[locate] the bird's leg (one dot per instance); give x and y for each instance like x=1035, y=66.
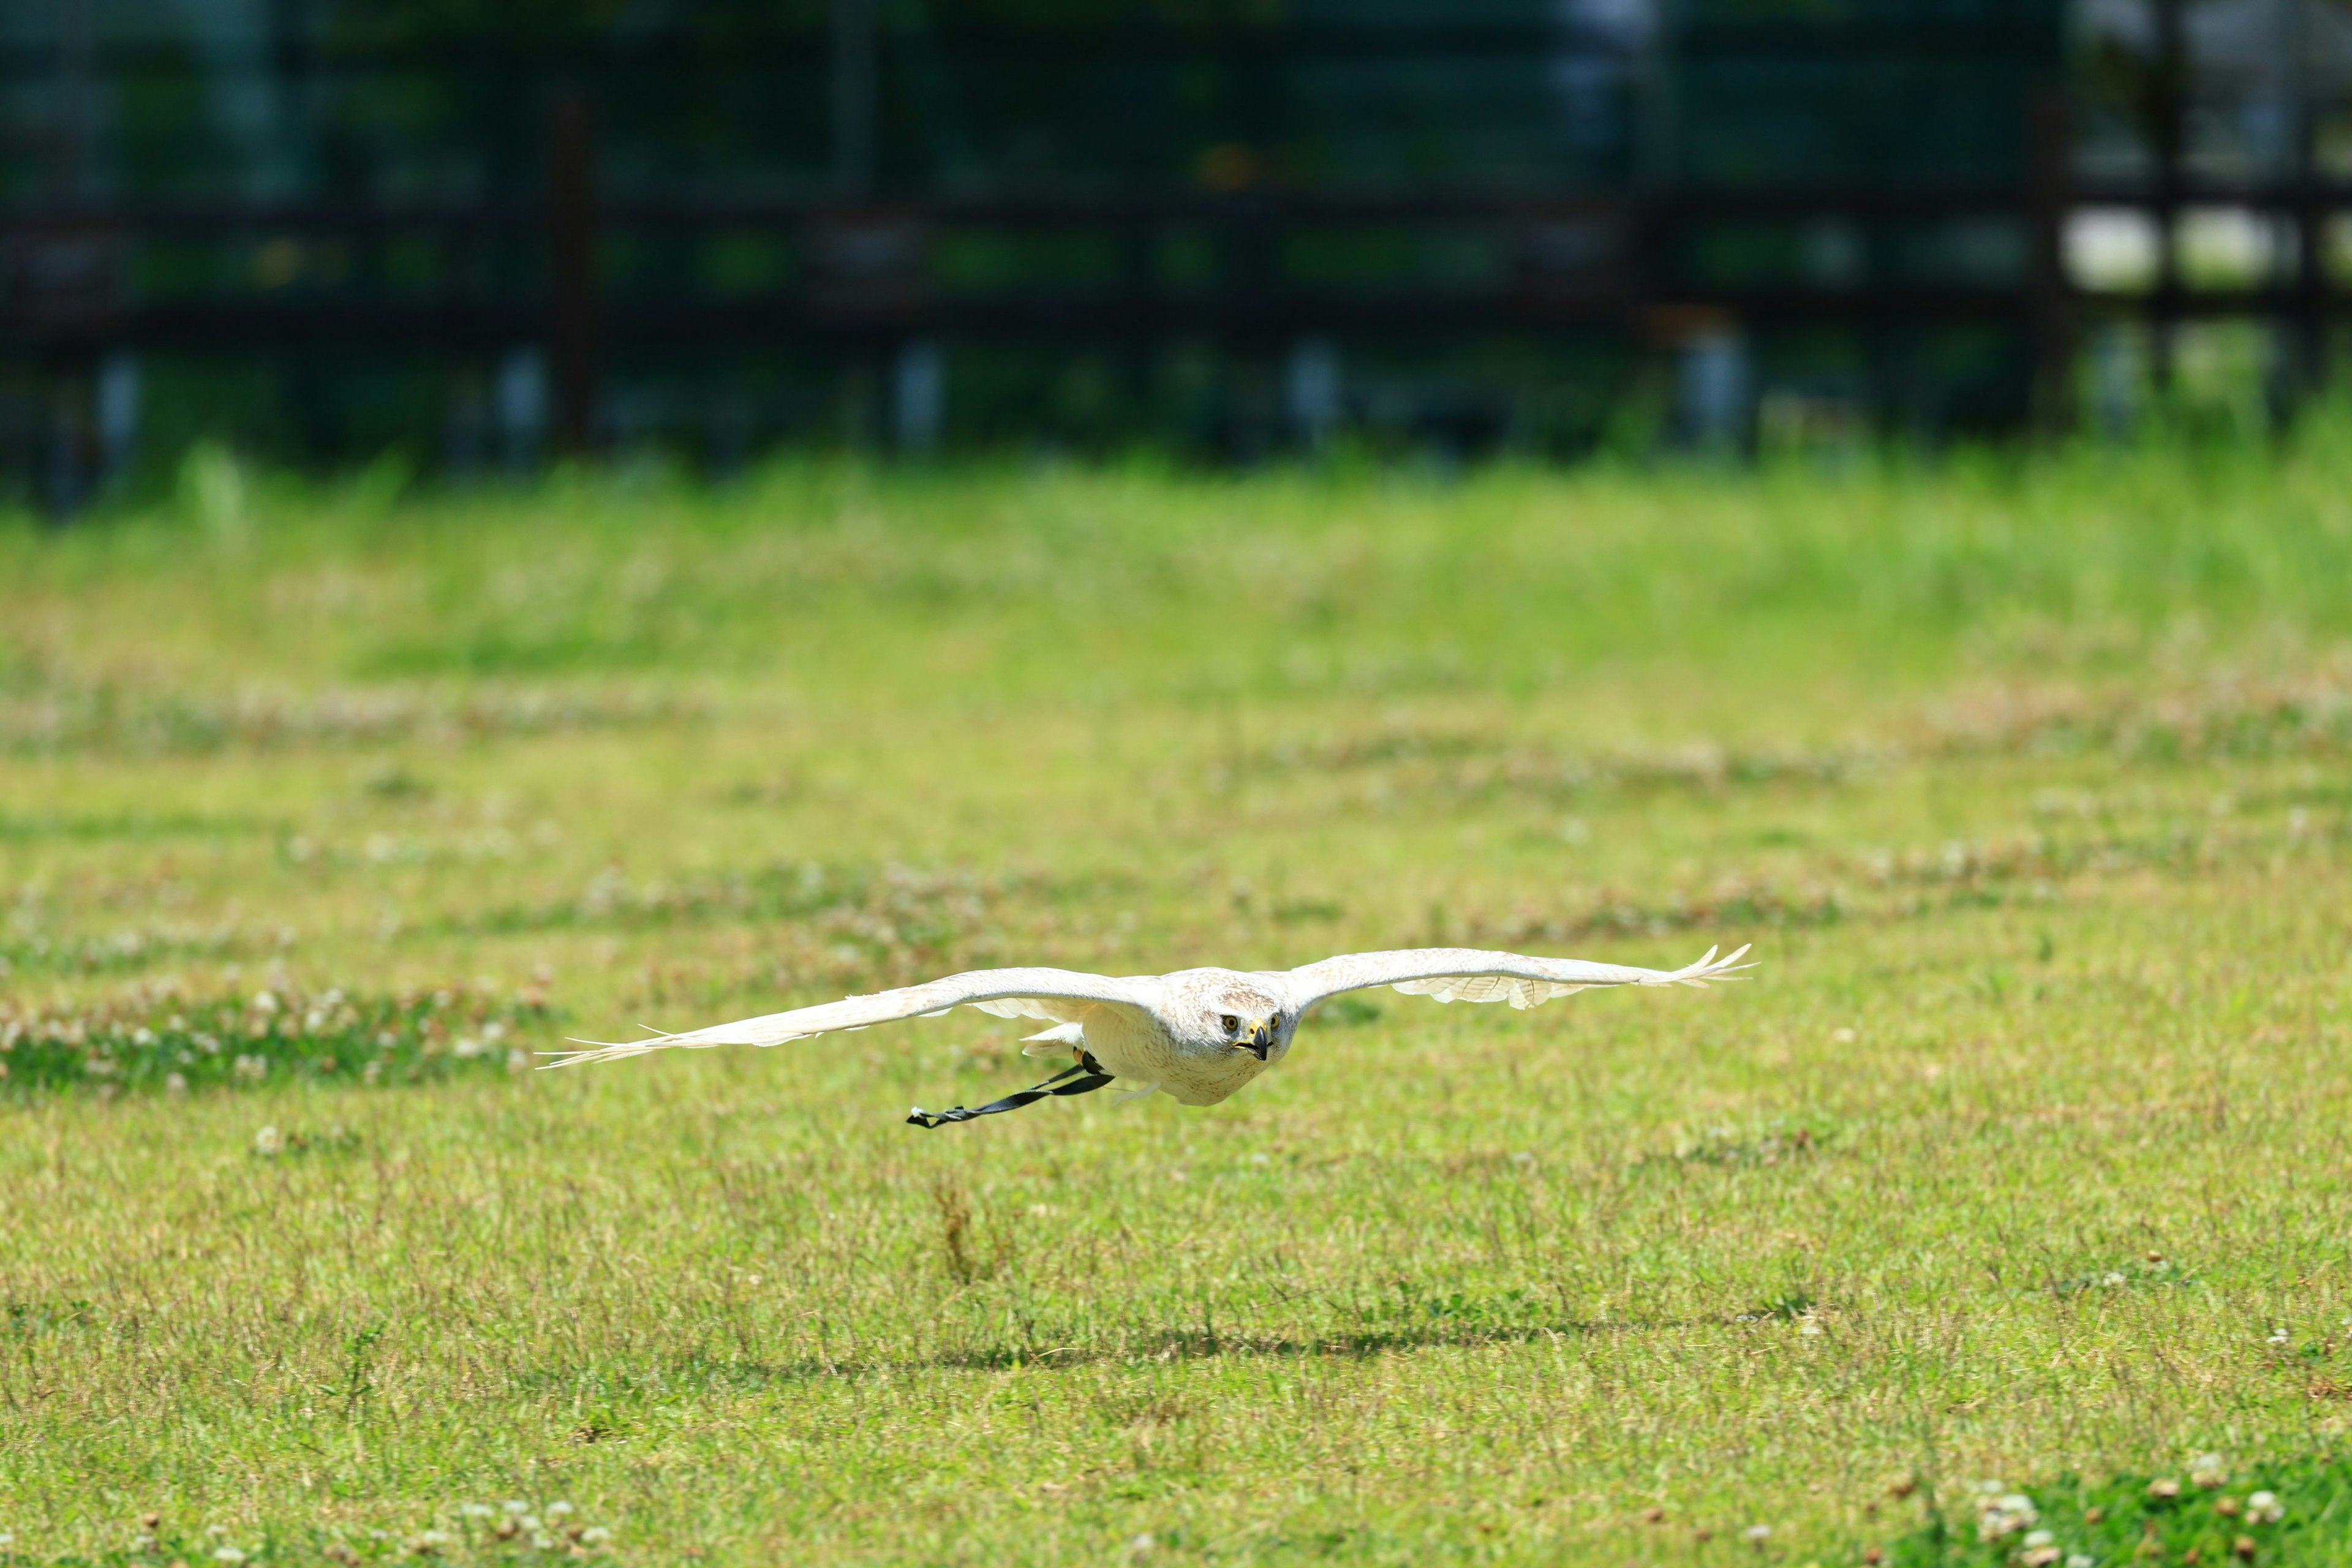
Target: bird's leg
x=1083, y=1078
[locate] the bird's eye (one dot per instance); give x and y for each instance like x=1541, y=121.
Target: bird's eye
x=1232, y=1025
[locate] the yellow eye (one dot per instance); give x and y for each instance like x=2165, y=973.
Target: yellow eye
x=1232, y=1025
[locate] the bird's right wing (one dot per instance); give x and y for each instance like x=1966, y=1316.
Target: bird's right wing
x=1471, y=975
x=1058, y=995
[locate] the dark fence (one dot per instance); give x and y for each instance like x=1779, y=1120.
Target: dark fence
x=883, y=223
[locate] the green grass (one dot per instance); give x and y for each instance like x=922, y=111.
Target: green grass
x=2022, y=1159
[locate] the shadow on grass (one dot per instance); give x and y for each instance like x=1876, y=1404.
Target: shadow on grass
x=694, y=1371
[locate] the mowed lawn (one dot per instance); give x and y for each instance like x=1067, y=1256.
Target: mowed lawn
x=2002, y=1217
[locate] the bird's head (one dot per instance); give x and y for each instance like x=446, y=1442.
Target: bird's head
x=1228, y=1013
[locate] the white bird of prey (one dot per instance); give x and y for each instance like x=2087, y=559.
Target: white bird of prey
x=1197, y=1034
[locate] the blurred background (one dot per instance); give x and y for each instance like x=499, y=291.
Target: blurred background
x=486, y=236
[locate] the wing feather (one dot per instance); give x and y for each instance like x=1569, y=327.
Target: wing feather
x=1472, y=975
x=1056, y=995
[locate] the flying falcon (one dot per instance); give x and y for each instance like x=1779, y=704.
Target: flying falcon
x=1197, y=1034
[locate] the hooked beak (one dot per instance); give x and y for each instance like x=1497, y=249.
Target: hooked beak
x=1257, y=1040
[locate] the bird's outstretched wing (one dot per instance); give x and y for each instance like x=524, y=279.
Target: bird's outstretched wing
x=1468, y=974
x=1059, y=996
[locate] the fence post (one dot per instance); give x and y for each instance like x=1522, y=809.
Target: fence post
x=2311, y=302
x=857, y=96
x=2168, y=114
x=2049, y=308
x=571, y=246
x=2311, y=212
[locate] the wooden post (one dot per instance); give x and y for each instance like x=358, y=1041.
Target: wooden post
x=69, y=455
x=2048, y=308
x=571, y=249
x=2168, y=116
x=2311, y=301
x=1138, y=290
x=857, y=106
x=69, y=365
x=856, y=97
x=2309, y=370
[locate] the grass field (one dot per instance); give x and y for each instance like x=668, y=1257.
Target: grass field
x=2021, y=1163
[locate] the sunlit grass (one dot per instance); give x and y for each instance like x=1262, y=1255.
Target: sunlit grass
x=2022, y=1159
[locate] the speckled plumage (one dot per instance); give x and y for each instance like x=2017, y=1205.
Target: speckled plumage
x=1196, y=1034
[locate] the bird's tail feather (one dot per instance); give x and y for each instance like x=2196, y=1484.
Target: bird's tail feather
x=613, y=1051
x=1709, y=967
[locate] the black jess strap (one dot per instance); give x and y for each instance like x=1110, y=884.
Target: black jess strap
x=1084, y=1077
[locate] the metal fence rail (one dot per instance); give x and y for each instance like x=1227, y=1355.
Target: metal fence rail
x=866, y=270
x=845, y=186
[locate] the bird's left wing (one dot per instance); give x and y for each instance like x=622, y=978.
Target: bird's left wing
x=1470, y=974
x=1059, y=996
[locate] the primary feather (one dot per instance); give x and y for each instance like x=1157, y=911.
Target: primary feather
x=1058, y=995
x=1197, y=1034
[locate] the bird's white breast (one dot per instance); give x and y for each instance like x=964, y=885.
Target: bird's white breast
x=1140, y=1050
